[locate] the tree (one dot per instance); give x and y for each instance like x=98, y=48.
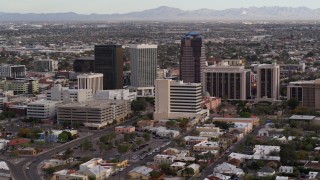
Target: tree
x=122, y=148
x=188, y=171
x=170, y=123
x=65, y=136
x=293, y=103
x=146, y=136
x=245, y=114
x=2, y=117
x=138, y=105
x=86, y=145
x=287, y=154
x=67, y=154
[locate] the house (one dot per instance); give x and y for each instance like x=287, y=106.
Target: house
x=228, y=138
x=185, y=173
x=314, y=175
x=245, y=128
x=243, y=157
x=286, y=169
x=5, y=173
x=124, y=129
x=176, y=166
x=168, y=133
x=141, y=172
x=53, y=163
x=235, y=162
x=217, y=176
x=192, y=140
x=206, y=146
x=160, y=159
x=144, y=123
x=170, y=151
x=314, y=165
x=68, y=174
x=98, y=172
x=265, y=150
x=229, y=169
x=184, y=156
x=282, y=178
x=266, y=171
x=28, y=151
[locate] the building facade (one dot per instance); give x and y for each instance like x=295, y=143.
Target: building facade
x=41, y=109
x=268, y=82
x=45, y=65
x=93, y=81
x=116, y=94
x=192, y=58
x=59, y=93
x=96, y=114
x=143, y=65
x=306, y=92
x=230, y=82
x=174, y=99
x=84, y=65
x=12, y=71
x=109, y=62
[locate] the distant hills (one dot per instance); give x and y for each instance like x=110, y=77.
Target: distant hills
x=165, y=13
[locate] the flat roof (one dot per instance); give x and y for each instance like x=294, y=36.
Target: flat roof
x=302, y=117
x=93, y=103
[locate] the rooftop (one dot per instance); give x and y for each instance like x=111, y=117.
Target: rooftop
x=142, y=170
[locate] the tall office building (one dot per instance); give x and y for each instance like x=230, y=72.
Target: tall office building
x=92, y=81
x=12, y=71
x=109, y=62
x=45, y=65
x=306, y=92
x=175, y=99
x=143, y=65
x=192, y=60
x=268, y=81
x=84, y=65
x=231, y=82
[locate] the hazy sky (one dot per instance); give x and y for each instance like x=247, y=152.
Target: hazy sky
x=122, y=6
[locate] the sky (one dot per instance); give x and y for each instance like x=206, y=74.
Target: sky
x=123, y=6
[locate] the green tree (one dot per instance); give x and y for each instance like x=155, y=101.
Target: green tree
x=86, y=145
x=139, y=105
x=245, y=114
x=287, y=154
x=146, y=136
x=188, y=171
x=67, y=154
x=123, y=148
x=65, y=136
x=293, y=103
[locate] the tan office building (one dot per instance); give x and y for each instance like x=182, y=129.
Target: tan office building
x=96, y=114
x=92, y=81
x=306, y=92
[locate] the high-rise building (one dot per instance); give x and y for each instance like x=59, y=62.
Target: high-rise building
x=192, y=60
x=268, y=81
x=92, y=81
x=12, y=71
x=175, y=99
x=45, y=65
x=306, y=92
x=143, y=65
x=84, y=65
x=230, y=82
x=109, y=62
x=59, y=93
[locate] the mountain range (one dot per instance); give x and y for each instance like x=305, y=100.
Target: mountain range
x=165, y=13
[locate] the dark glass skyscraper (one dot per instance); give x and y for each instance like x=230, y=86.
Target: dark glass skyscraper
x=84, y=65
x=109, y=62
x=192, y=60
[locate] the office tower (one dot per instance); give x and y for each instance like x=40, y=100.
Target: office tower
x=306, y=92
x=175, y=99
x=12, y=71
x=45, y=65
x=84, y=65
x=109, y=62
x=92, y=81
x=230, y=82
x=143, y=65
x=268, y=81
x=192, y=60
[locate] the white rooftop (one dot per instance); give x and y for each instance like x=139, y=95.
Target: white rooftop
x=142, y=170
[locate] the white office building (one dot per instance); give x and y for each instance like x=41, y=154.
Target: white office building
x=93, y=81
x=59, y=93
x=175, y=99
x=143, y=65
x=41, y=109
x=117, y=94
x=12, y=71
x=45, y=65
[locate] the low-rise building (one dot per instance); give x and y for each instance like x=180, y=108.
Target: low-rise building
x=59, y=93
x=41, y=109
x=168, y=133
x=141, y=172
x=5, y=173
x=194, y=167
x=253, y=121
x=286, y=169
x=160, y=159
x=176, y=166
x=96, y=114
x=117, y=94
x=28, y=151
x=124, y=129
x=206, y=146
x=69, y=174
x=192, y=140
x=229, y=169
x=266, y=171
